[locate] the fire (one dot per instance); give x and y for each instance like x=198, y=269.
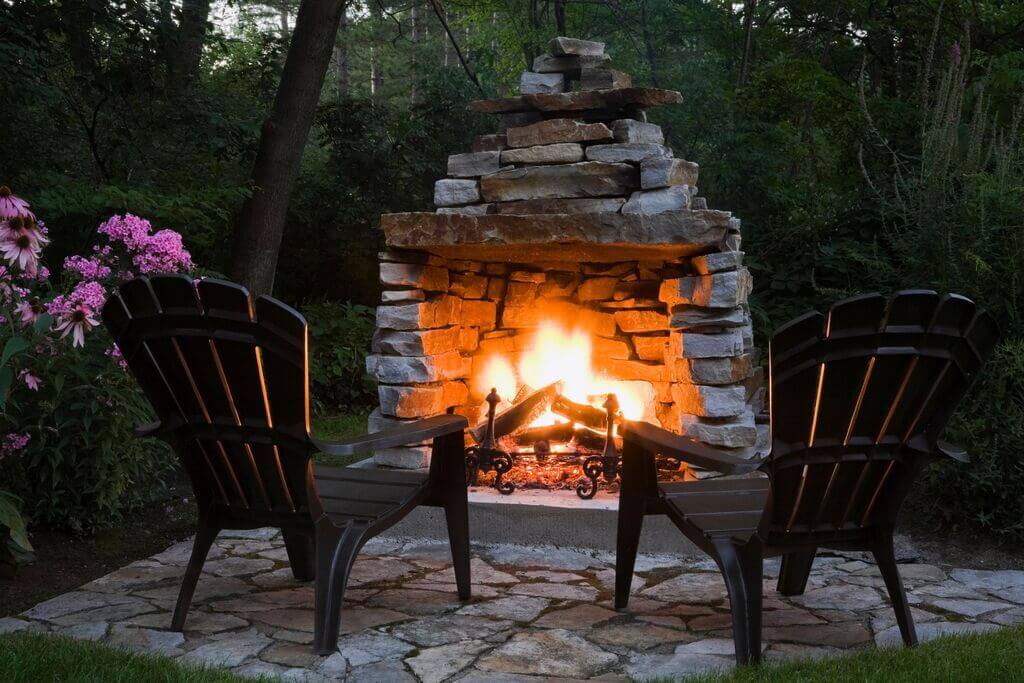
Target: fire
x=557, y=353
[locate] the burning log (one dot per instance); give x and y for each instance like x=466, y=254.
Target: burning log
x=519, y=415
x=555, y=432
x=577, y=412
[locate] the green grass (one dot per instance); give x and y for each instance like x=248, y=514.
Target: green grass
x=32, y=658
x=337, y=428
x=996, y=656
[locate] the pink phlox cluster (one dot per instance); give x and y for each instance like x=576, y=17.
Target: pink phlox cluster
x=13, y=443
x=163, y=252
x=75, y=313
x=87, y=268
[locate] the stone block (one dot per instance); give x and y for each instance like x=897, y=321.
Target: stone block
x=504, y=345
x=391, y=296
x=468, y=210
x=663, y=171
x=709, y=401
x=700, y=345
x=520, y=293
x=558, y=153
x=691, y=317
x=632, y=369
x=574, y=46
x=420, y=400
x=491, y=142
x=468, y=285
x=439, y=312
x=597, y=78
x=496, y=288
x=531, y=83
x=417, y=369
x=585, y=179
x=412, y=458
x=699, y=203
x=601, y=324
x=517, y=120
x=717, y=290
x=469, y=339
x=545, y=206
x=558, y=285
x=482, y=314
x=707, y=264
x=738, y=432
x=609, y=348
x=570, y=65
x=554, y=131
x=464, y=266
x=626, y=152
x=416, y=342
x=472, y=164
x=650, y=348
x=527, y=276
x=658, y=201
x=641, y=321
x=452, y=192
x=732, y=241
x=597, y=289
x=712, y=370
x=633, y=131
x=429, y=278
x=520, y=317
x=410, y=256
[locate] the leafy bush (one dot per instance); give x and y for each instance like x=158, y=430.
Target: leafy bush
x=340, y=335
x=67, y=407
x=14, y=545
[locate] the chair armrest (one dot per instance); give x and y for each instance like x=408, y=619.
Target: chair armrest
x=689, y=450
x=414, y=432
x=151, y=429
x=952, y=451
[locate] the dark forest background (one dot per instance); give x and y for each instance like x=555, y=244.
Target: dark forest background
x=865, y=144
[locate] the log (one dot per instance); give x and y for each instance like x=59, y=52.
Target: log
x=519, y=415
x=578, y=412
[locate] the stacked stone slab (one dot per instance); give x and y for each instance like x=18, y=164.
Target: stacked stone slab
x=636, y=258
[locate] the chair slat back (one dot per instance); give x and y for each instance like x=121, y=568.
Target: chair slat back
x=859, y=399
x=228, y=379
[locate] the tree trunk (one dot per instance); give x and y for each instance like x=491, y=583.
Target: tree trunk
x=560, y=17
x=416, y=35
x=341, y=57
x=376, y=72
x=748, y=39
x=261, y=224
x=188, y=42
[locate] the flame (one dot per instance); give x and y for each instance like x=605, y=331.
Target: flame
x=557, y=353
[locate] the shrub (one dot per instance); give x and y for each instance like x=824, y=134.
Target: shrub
x=340, y=335
x=67, y=406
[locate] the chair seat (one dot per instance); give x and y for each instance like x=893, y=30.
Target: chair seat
x=719, y=507
x=366, y=493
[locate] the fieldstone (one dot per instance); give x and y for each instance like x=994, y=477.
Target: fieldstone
x=718, y=290
x=237, y=566
x=672, y=667
x=638, y=132
x=532, y=83
x=403, y=458
x=847, y=634
x=467, y=210
x=641, y=321
x=268, y=671
x=391, y=296
x=418, y=276
x=437, y=664
x=228, y=649
x=530, y=107
x=583, y=616
x=93, y=631
x=584, y=179
x=415, y=601
x=418, y=369
x=1008, y=618
x=989, y=580
x=133, y=577
x=473, y=164
x=633, y=370
x=574, y=46
x=571, y=65
x=560, y=206
x=370, y=646
x=702, y=588
x=416, y=342
x=146, y=640
x=650, y=348
x=713, y=370
x=482, y=314
x=520, y=609
x=595, y=78
x=658, y=201
x=520, y=293
x=710, y=401
x=287, y=618
x=662, y=171
x=554, y=652
x=449, y=628
x=965, y=607
x=490, y=142
x=890, y=637
x=840, y=597
x=556, y=591
x=597, y=289
x=196, y=622
x=380, y=672
x=692, y=317
x=700, y=345
x=629, y=152
x=481, y=573
x=553, y=131
x=439, y=312
x=14, y=625
x=559, y=153
x=732, y=434
x=75, y=601
x=710, y=646
x=642, y=636
x=717, y=262
x=449, y=192
x=111, y=613
x=468, y=285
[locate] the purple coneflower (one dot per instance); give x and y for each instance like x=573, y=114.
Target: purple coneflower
x=11, y=205
x=28, y=310
x=30, y=380
x=79, y=321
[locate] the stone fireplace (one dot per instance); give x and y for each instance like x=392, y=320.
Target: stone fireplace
x=570, y=247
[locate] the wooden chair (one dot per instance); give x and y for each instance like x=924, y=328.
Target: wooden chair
x=228, y=378
x=859, y=399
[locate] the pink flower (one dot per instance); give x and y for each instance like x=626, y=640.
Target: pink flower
x=21, y=240
x=162, y=253
x=11, y=206
x=115, y=353
x=87, y=268
x=12, y=443
x=79, y=321
x=75, y=313
x=28, y=310
x=30, y=380
x=128, y=229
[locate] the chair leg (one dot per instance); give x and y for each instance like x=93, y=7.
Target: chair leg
x=336, y=550
x=631, y=521
x=301, y=554
x=885, y=557
x=742, y=570
x=795, y=570
x=456, y=513
x=200, y=549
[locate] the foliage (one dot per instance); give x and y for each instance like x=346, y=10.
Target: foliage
x=67, y=407
x=339, y=339
x=15, y=547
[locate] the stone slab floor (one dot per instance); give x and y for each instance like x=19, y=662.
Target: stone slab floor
x=536, y=612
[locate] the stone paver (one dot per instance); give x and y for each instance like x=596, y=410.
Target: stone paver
x=536, y=613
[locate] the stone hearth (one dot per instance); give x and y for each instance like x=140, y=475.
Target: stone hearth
x=575, y=210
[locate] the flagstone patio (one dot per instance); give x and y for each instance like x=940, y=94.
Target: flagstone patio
x=536, y=612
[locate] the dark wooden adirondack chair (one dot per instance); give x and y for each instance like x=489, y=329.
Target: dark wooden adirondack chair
x=859, y=399
x=228, y=378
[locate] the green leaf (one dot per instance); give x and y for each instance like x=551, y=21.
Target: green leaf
x=13, y=346
x=10, y=517
x=6, y=377
x=42, y=323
